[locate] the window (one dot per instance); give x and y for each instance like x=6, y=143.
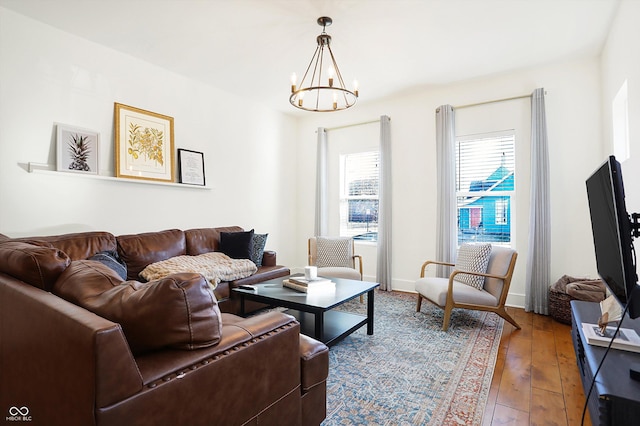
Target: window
x=359, y=195
x=485, y=187
x=620, y=114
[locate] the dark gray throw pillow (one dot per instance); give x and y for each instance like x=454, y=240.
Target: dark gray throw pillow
x=237, y=245
x=113, y=261
x=259, y=241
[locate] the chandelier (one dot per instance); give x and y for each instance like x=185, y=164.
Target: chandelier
x=321, y=95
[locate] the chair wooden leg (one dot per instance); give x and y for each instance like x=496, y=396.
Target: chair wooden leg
x=447, y=317
x=419, y=305
x=503, y=313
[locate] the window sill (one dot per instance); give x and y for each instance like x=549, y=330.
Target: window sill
x=365, y=243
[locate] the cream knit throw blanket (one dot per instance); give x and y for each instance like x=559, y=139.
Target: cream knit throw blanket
x=214, y=266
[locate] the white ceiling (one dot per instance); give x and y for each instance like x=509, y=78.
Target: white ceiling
x=251, y=47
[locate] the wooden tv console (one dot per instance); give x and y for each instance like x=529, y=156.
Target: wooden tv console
x=615, y=398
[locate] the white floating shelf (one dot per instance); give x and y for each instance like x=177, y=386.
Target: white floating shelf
x=51, y=170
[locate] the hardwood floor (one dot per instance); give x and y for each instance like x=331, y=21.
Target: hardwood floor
x=536, y=379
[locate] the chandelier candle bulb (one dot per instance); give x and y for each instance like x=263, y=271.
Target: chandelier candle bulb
x=293, y=82
x=331, y=72
x=355, y=87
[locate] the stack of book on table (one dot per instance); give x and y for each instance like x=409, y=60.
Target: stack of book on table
x=626, y=340
x=306, y=286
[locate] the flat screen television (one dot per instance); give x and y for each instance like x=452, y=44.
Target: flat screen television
x=613, y=232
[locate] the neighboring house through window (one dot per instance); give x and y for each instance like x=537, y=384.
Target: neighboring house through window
x=485, y=187
x=359, y=185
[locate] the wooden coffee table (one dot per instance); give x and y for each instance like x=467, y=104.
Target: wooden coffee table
x=315, y=311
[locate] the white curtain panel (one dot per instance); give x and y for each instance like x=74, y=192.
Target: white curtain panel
x=321, y=224
x=538, y=269
x=383, y=269
x=446, y=222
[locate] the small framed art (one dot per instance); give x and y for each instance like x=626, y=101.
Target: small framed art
x=191, y=167
x=77, y=149
x=144, y=144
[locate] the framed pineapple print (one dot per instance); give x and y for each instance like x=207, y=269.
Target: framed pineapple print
x=144, y=144
x=77, y=149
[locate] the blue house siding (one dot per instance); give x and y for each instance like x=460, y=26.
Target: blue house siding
x=477, y=215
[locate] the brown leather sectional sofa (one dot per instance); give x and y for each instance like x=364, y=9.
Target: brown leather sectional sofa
x=80, y=346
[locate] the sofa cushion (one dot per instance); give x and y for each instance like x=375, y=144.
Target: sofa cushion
x=112, y=260
x=34, y=264
x=237, y=245
x=82, y=245
x=178, y=311
x=85, y=277
x=257, y=251
x=204, y=240
x=473, y=258
x=214, y=266
x=140, y=250
x=436, y=289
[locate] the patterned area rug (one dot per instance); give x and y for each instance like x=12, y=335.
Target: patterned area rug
x=410, y=372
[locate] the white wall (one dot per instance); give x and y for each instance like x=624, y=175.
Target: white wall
x=620, y=62
x=48, y=76
x=573, y=118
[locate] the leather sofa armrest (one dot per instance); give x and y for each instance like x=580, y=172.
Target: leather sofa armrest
x=269, y=258
x=314, y=362
x=37, y=265
x=314, y=369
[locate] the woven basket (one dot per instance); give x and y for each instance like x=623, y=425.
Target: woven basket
x=560, y=306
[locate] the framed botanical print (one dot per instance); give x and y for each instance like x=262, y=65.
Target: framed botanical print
x=144, y=144
x=191, y=167
x=77, y=149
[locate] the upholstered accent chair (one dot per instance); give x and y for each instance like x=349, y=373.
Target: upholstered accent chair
x=335, y=258
x=452, y=292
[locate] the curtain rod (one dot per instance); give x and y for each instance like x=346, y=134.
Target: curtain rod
x=493, y=101
x=352, y=125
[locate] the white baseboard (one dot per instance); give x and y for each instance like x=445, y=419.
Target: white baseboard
x=515, y=300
